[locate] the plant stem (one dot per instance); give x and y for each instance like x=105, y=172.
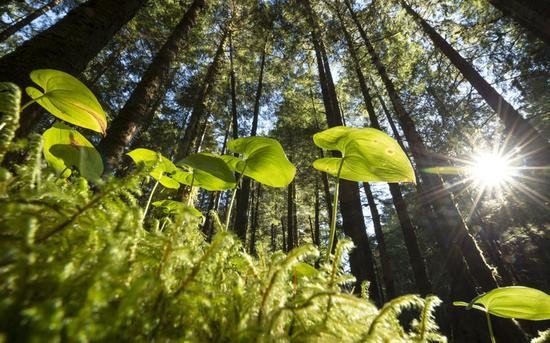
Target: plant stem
x=150, y=198
x=190, y=197
x=334, y=211
x=28, y=104
x=228, y=216
x=490, y=327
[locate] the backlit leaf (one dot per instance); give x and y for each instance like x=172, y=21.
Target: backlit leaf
x=368, y=155
x=68, y=99
x=207, y=171
x=264, y=160
x=515, y=302
x=175, y=207
x=65, y=148
x=163, y=167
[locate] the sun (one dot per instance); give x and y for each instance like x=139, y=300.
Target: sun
x=491, y=170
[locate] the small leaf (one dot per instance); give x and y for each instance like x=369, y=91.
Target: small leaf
x=175, y=207
x=516, y=302
x=68, y=99
x=367, y=155
x=305, y=269
x=163, y=167
x=65, y=148
x=210, y=172
x=264, y=160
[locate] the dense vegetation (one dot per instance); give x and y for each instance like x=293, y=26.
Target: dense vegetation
x=328, y=170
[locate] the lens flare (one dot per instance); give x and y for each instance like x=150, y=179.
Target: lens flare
x=491, y=170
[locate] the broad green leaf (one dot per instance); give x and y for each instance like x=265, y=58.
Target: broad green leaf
x=264, y=160
x=515, y=302
x=175, y=207
x=68, y=99
x=163, y=167
x=367, y=154
x=207, y=171
x=305, y=269
x=65, y=148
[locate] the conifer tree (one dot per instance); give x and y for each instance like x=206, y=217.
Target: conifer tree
x=137, y=109
x=68, y=46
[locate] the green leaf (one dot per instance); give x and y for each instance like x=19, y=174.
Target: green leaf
x=305, y=269
x=175, y=207
x=514, y=302
x=367, y=155
x=65, y=148
x=210, y=172
x=264, y=160
x=163, y=167
x=68, y=99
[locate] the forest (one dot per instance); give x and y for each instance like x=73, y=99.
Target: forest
x=274, y=171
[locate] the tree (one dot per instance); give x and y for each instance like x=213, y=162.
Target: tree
x=532, y=14
x=137, y=109
x=531, y=143
x=7, y=33
x=69, y=45
x=407, y=227
x=361, y=257
x=460, y=243
x=190, y=133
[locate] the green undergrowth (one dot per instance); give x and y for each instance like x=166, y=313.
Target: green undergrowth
x=77, y=264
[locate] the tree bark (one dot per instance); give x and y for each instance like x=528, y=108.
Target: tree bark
x=137, y=109
x=361, y=257
x=387, y=275
x=233, y=88
x=254, y=226
x=533, y=145
x=273, y=238
x=283, y=230
x=532, y=14
x=190, y=133
x=7, y=33
x=317, y=227
x=69, y=46
x=289, y=218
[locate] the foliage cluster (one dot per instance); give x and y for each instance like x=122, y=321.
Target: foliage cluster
x=79, y=264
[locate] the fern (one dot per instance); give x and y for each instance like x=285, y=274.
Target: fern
x=81, y=265
x=10, y=98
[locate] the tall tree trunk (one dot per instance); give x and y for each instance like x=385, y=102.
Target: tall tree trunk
x=295, y=217
x=361, y=257
x=411, y=242
x=273, y=238
x=317, y=227
x=69, y=46
x=137, y=109
x=533, y=145
x=190, y=133
x=387, y=275
x=100, y=69
x=532, y=14
x=460, y=243
x=289, y=218
x=7, y=33
x=444, y=200
x=233, y=88
x=254, y=225
x=202, y=134
x=243, y=193
x=283, y=230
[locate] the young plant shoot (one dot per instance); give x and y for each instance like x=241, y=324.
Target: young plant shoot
x=366, y=155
